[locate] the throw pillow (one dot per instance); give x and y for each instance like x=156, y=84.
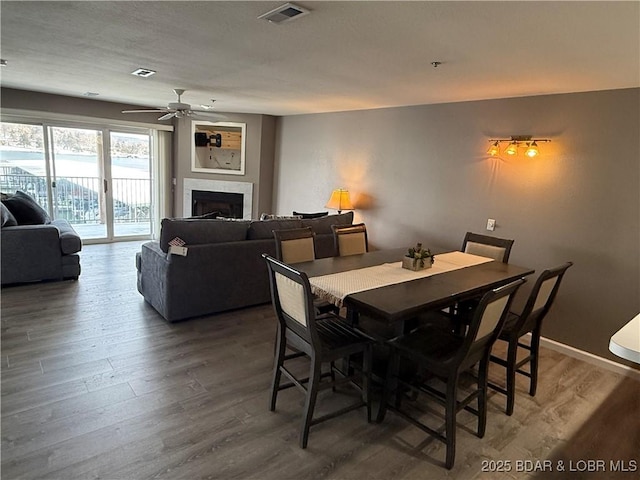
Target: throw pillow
x=8, y=220
x=271, y=216
x=26, y=210
x=260, y=230
x=311, y=215
x=323, y=224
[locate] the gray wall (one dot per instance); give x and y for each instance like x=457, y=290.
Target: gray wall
x=258, y=157
x=421, y=173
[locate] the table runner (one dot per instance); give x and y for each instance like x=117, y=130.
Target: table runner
x=336, y=286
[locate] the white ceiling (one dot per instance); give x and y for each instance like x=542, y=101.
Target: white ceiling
x=343, y=56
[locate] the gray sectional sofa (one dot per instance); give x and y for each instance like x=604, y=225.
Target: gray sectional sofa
x=34, y=248
x=223, y=268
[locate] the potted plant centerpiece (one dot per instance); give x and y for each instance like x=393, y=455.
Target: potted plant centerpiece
x=418, y=258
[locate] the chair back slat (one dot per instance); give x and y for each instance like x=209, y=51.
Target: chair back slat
x=487, y=322
x=491, y=247
x=298, y=250
x=295, y=245
x=541, y=298
x=292, y=299
x=350, y=239
x=489, y=251
x=544, y=293
x=491, y=316
x=352, y=244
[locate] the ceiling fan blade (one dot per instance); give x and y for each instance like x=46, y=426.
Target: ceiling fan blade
x=167, y=116
x=145, y=111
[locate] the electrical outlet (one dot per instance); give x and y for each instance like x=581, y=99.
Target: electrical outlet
x=491, y=224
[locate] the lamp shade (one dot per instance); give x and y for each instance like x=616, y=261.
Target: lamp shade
x=339, y=200
x=532, y=151
x=512, y=149
x=494, y=149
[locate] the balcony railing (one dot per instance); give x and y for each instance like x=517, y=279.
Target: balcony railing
x=78, y=199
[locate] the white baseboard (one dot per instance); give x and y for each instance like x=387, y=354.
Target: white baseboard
x=589, y=358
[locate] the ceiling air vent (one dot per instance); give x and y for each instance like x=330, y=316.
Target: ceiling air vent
x=284, y=13
x=143, y=72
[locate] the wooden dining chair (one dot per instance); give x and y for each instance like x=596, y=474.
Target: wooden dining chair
x=322, y=339
x=350, y=239
x=486, y=246
x=496, y=248
x=538, y=304
x=297, y=245
x=442, y=354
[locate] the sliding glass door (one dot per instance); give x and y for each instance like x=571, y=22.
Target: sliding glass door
x=131, y=183
x=78, y=178
x=98, y=179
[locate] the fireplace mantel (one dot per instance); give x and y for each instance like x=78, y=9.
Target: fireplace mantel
x=245, y=188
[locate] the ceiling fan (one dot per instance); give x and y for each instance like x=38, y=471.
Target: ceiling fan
x=179, y=110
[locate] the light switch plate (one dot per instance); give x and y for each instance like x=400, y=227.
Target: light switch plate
x=491, y=224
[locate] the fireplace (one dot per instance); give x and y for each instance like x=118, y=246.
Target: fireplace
x=227, y=204
x=213, y=202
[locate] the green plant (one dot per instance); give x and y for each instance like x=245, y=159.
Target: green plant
x=420, y=254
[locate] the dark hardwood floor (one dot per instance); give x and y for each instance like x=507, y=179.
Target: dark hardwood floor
x=95, y=384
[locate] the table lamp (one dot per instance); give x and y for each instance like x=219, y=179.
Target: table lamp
x=339, y=200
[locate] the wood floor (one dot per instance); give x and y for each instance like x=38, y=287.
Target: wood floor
x=95, y=384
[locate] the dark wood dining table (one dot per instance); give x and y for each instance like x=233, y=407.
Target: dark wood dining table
x=394, y=304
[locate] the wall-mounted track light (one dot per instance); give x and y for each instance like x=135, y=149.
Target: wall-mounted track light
x=516, y=142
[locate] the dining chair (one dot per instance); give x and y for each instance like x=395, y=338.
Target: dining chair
x=496, y=248
x=486, y=246
x=350, y=239
x=322, y=339
x=538, y=304
x=297, y=245
x=442, y=354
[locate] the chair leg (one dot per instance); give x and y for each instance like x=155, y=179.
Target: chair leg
x=512, y=358
x=483, y=372
x=332, y=370
x=450, y=420
x=310, y=403
x=366, y=379
x=533, y=366
x=278, y=361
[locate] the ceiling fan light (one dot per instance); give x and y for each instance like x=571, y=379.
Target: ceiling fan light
x=532, y=151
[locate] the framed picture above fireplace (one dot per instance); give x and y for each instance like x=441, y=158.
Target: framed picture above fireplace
x=218, y=147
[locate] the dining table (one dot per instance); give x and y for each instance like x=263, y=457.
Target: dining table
x=454, y=277
x=375, y=285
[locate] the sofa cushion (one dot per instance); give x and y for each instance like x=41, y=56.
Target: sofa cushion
x=261, y=229
x=199, y=232
x=323, y=224
x=26, y=210
x=7, y=218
